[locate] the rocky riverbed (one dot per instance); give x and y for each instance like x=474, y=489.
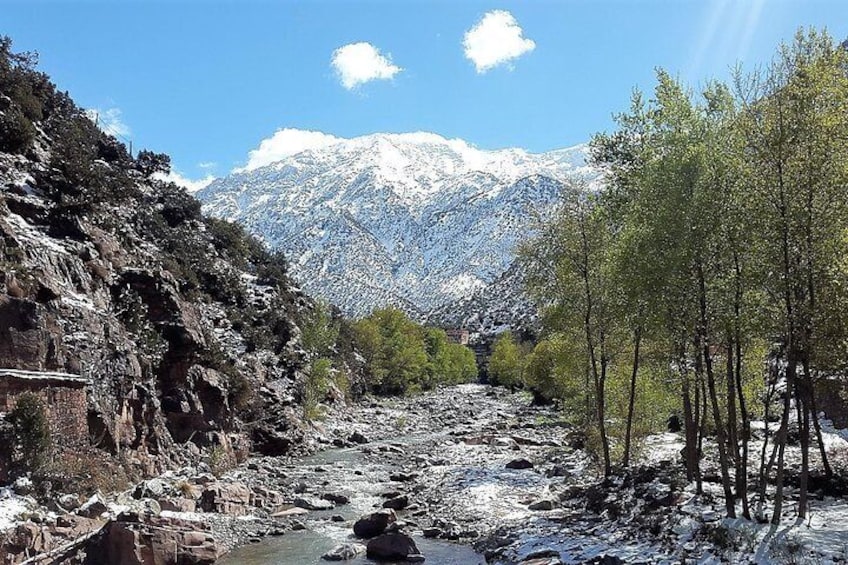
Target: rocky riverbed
x=476, y=474
x=461, y=475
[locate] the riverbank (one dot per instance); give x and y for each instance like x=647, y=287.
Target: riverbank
x=471, y=473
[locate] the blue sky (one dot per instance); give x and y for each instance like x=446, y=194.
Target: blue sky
x=208, y=81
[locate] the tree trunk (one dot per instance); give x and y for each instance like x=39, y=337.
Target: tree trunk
x=736, y=382
x=602, y=425
x=691, y=430
x=762, y=476
x=742, y=467
x=721, y=438
x=732, y=426
x=637, y=339
x=781, y=439
x=810, y=400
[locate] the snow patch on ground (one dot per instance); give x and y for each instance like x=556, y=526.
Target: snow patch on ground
x=13, y=507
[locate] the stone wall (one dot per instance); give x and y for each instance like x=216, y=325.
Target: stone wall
x=65, y=402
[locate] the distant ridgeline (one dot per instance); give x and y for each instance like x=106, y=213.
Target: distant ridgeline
x=415, y=221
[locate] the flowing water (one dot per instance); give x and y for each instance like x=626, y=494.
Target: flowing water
x=348, y=471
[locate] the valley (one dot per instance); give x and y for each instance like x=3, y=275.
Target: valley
x=403, y=347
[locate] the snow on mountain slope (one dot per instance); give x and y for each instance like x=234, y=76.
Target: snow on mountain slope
x=414, y=220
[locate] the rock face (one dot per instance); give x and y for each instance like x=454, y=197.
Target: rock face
x=184, y=326
x=135, y=540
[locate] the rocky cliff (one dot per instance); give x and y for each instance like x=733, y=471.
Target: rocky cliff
x=186, y=327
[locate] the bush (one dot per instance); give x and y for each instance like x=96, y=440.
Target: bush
x=30, y=431
x=552, y=371
x=16, y=131
x=318, y=379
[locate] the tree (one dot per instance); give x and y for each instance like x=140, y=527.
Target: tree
x=150, y=163
x=448, y=363
x=30, y=431
x=393, y=346
x=319, y=330
x=795, y=119
x=506, y=362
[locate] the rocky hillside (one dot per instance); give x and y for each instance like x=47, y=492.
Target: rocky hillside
x=412, y=220
x=186, y=327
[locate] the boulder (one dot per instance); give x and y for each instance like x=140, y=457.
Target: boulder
x=310, y=503
x=519, y=463
x=344, y=552
x=432, y=532
x=544, y=504
x=397, y=503
x=290, y=512
x=177, y=504
x=393, y=546
x=226, y=498
x=336, y=498
x=403, y=477
x=139, y=540
x=357, y=437
x=374, y=524
x=94, y=507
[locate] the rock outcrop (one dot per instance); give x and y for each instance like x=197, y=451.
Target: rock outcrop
x=138, y=540
x=185, y=327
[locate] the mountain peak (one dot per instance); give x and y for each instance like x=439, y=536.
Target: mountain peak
x=410, y=219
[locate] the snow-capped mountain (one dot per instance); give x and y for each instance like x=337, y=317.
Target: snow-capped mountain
x=414, y=220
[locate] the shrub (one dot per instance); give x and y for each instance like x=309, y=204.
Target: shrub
x=220, y=461
x=16, y=131
x=30, y=431
x=316, y=386
x=790, y=550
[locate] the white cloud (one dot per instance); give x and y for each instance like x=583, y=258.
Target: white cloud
x=190, y=185
x=358, y=63
x=207, y=165
x=494, y=40
x=283, y=143
x=109, y=121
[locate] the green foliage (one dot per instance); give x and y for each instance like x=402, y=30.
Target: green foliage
x=30, y=431
x=150, y=163
x=554, y=371
x=23, y=93
x=393, y=346
x=449, y=363
x=506, y=363
x=317, y=385
x=319, y=330
x=16, y=131
x=717, y=242
x=233, y=242
x=401, y=356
